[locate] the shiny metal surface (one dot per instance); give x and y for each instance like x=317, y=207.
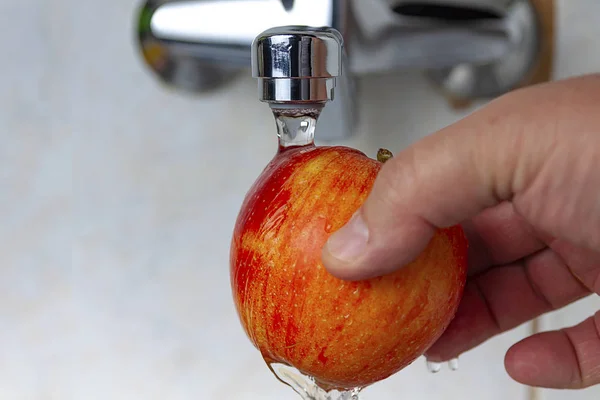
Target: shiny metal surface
x=297, y=64
x=503, y=74
x=297, y=52
x=200, y=45
x=470, y=48
x=182, y=38
x=235, y=21
x=434, y=34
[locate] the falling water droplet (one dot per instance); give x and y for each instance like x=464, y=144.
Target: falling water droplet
x=453, y=364
x=434, y=367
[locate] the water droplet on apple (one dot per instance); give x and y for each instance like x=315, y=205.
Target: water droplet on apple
x=453, y=364
x=434, y=367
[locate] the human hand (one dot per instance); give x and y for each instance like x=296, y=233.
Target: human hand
x=522, y=176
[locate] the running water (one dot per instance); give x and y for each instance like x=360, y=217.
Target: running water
x=434, y=367
x=453, y=364
x=296, y=124
x=307, y=387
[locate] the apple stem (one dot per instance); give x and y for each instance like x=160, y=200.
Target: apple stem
x=383, y=155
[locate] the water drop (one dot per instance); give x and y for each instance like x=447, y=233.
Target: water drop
x=453, y=364
x=434, y=367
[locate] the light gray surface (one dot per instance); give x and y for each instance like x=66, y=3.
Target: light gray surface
x=118, y=200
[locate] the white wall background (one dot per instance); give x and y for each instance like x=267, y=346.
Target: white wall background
x=117, y=200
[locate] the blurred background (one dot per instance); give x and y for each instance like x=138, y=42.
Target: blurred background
x=118, y=198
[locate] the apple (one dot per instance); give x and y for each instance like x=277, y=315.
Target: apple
x=343, y=334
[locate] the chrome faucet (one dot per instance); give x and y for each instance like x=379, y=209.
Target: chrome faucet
x=471, y=49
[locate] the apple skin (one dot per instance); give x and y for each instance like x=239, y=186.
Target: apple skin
x=344, y=334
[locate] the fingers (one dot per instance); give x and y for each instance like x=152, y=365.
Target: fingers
x=508, y=150
x=499, y=236
x=584, y=263
x=504, y=297
x=566, y=359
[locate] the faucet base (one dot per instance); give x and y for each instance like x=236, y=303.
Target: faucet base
x=530, y=62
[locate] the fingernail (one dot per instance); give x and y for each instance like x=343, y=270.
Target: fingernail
x=350, y=241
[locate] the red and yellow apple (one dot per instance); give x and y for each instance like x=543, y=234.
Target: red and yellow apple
x=344, y=334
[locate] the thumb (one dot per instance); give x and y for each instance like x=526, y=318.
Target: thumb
x=452, y=175
x=435, y=183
